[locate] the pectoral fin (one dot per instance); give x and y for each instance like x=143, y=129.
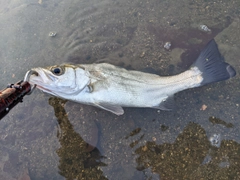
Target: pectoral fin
x=167, y=104
x=118, y=110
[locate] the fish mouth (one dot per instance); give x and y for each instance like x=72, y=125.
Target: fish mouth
x=46, y=81
x=27, y=78
x=42, y=79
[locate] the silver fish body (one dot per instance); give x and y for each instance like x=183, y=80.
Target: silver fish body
x=110, y=87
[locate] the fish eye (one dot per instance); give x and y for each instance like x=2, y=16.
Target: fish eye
x=57, y=71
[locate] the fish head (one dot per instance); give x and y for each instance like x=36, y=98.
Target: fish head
x=59, y=80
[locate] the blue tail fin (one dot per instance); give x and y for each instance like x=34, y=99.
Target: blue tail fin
x=212, y=65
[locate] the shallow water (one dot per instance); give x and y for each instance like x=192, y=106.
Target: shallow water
x=48, y=138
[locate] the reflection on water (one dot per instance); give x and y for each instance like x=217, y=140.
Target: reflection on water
x=191, y=157
x=78, y=160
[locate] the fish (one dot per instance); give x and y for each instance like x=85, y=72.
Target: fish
x=111, y=88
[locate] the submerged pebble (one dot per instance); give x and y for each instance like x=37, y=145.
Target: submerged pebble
x=204, y=28
x=167, y=45
x=215, y=140
x=52, y=34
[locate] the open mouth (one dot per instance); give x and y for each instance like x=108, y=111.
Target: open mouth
x=33, y=76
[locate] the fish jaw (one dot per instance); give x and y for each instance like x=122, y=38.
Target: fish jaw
x=41, y=78
x=59, y=86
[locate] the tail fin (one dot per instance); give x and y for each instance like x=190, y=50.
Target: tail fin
x=212, y=65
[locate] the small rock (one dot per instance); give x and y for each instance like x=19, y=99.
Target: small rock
x=167, y=45
x=203, y=108
x=143, y=54
x=215, y=140
x=204, y=28
x=52, y=34
x=144, y=148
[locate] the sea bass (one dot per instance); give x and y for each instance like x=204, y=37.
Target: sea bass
x=110, y=87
